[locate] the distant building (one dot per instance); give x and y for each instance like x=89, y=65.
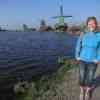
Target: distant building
x=0, y=29
x=43, y=25
x=49, y=29
x=25, y=27
x=32, y=29
x=74, y=30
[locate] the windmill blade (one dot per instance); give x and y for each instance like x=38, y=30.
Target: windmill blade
x=62, y=16
x=68, y=16
x=56, y=17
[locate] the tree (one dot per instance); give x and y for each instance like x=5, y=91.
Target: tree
x=49, y=28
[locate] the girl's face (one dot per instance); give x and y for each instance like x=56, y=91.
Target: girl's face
x=92, y=25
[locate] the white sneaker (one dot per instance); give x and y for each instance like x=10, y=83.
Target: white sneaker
x=81, y=96
x=87, y=96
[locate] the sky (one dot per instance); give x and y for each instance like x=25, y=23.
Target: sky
x=14, y=13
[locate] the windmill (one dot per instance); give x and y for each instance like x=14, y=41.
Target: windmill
x=61, y=17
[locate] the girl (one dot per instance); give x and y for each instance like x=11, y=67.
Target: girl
x=86, y=54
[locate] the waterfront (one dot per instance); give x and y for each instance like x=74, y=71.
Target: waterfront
x=21, y=51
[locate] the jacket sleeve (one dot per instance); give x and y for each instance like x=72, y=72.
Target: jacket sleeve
x=98, y=52
x=78, y=47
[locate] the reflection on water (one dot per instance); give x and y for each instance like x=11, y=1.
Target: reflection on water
x=33, y=52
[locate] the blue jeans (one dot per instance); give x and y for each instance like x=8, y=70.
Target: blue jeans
x=86, y=73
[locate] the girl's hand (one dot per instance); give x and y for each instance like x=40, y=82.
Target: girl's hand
x=78, y=58
x=95, y=61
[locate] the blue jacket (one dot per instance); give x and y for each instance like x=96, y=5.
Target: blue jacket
x=98, y=49
x=87, y=47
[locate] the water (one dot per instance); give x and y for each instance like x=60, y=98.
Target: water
x=24, y=54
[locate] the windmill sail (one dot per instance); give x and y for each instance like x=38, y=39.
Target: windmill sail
x=61, y=17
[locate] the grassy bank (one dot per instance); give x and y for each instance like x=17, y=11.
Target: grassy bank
x=48, y=87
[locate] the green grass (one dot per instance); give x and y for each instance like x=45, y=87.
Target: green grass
x=47, y=86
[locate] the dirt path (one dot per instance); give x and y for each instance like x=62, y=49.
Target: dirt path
x=96, y=94
x=72, y=85
x=69, y=88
